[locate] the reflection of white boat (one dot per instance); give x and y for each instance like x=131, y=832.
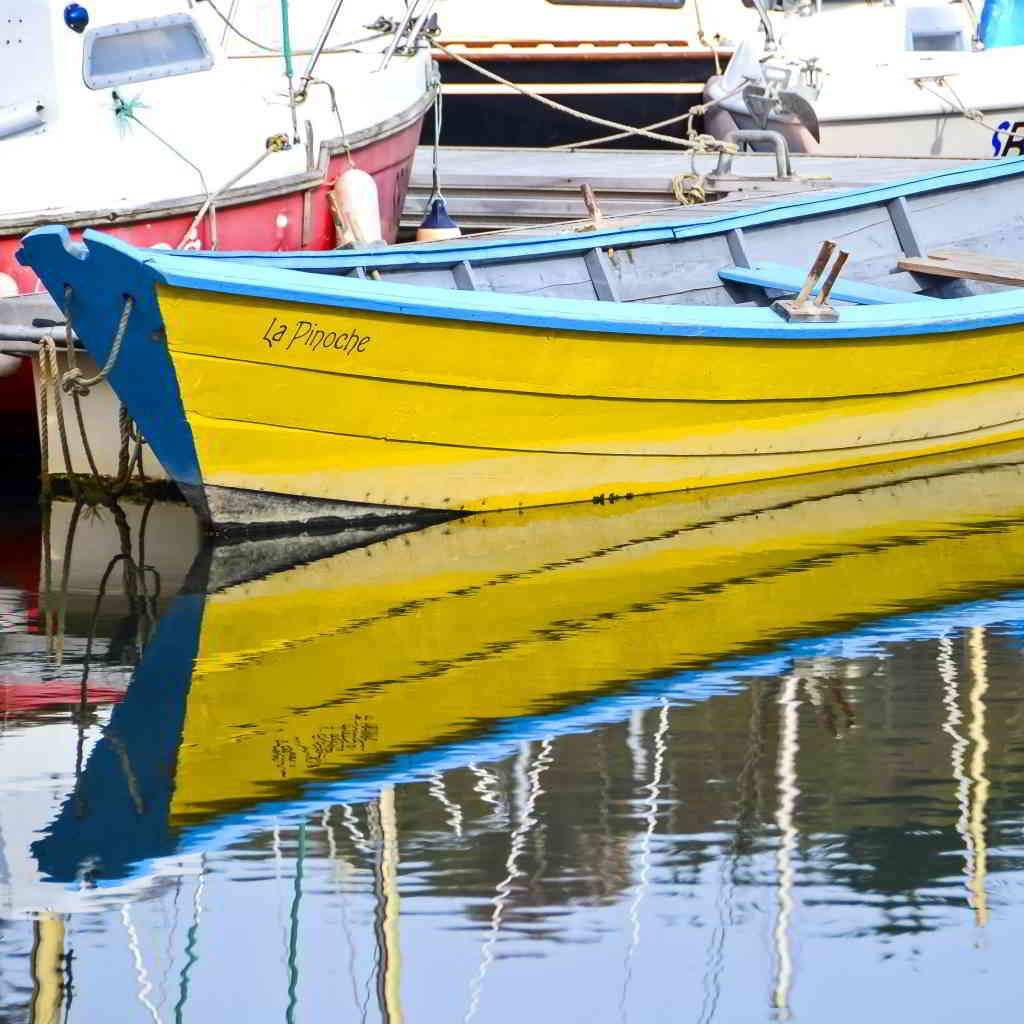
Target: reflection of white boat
x=54, y=616
x=73, y=655
x=908, y=77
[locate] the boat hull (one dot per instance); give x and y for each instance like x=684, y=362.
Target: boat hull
x=945, y=133
x=279, y=396
x=273, y=222
x=425, y=415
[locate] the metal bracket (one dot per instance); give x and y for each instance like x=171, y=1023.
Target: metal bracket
x=738, y=136
x=806, y=308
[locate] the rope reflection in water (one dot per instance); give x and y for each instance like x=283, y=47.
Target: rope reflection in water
x=979, y=687
x=651, y=817
x=504, y=888
x=789, y=701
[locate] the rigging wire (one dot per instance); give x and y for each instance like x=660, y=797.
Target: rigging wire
x=241, y=35
x=346, y=47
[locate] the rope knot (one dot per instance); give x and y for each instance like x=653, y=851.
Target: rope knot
x=72, y=381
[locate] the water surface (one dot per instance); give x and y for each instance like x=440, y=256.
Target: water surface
x=727, y=757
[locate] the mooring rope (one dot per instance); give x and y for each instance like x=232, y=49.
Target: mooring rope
x=703, y=143
x=698, y=110
x=53, y=385
x=73, y=382
x=970, y=113
x=49, y=384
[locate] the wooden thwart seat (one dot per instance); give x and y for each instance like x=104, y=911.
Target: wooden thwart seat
x=781, y=277
x=971, y=266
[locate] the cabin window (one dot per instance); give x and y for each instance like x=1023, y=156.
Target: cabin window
x=935, y=28
x=674, y=4
x=139, y=51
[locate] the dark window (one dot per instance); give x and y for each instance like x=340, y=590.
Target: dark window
x=139, y=51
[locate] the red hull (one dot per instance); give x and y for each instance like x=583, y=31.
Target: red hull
x=271, y=224
x=264, y=225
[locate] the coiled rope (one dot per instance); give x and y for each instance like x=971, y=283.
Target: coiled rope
x=689, y=188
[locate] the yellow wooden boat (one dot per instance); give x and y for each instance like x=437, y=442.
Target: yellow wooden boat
x=507, y=374
x=274, y=694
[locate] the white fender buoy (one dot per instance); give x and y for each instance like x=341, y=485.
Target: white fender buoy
x=437, y=224
x=355, y=193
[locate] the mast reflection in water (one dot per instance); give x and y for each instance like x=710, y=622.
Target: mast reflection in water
x=738, y=756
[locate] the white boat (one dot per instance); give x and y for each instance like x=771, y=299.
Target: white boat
x=635, y=61
x=902, y=78
x=220, y=124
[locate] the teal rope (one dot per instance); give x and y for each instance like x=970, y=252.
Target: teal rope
x=286, y=42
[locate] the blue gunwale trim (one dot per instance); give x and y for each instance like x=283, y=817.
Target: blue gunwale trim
x=496, y=250
x=590, y=315
x=100, y=276
x=277, y=277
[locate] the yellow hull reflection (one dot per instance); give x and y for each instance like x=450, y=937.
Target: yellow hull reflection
x=453, y=415
x=429, y=636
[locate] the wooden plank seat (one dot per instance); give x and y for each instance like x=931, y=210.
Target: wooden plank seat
x=971, y=266
x=784, y=278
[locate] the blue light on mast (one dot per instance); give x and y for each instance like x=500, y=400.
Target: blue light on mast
x=76, y=17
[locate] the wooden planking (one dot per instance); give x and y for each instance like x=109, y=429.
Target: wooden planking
x=500, y=187
x=983, y=217
x=653, y=273
x=867, y=233
x=968, y=215
x=962, y=263
x=557, y=276
x=429, y=277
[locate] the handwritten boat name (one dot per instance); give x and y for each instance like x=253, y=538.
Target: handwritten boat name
x=309, y=334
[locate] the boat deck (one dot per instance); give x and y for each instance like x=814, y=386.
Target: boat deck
x=496, y=189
